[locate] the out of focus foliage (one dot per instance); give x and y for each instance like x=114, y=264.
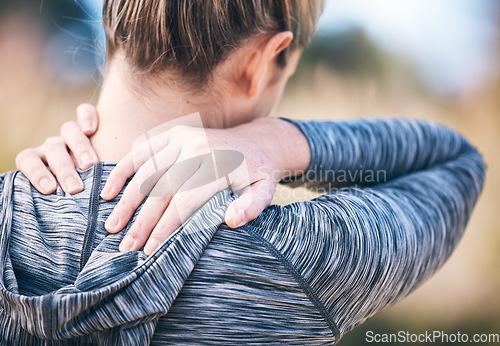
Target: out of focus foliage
x=58, y=12
x=348, y=52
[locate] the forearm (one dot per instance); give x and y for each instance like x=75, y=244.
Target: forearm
x=370, y=151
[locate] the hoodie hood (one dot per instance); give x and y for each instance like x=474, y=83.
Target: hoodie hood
x=108, y=297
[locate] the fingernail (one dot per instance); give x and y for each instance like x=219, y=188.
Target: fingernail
x=46, y=185
x=87, y=160
x=112, y=222
x=87, y=126
x=151, y=246
x=127, y=243
x=239, y=219
x=105, y=192
x=72, y=184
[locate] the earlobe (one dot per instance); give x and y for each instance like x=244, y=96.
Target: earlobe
x=263, y=57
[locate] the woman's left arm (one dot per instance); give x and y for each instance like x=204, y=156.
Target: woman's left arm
x=355, y=251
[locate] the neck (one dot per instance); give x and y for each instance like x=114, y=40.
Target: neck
x=124, y=114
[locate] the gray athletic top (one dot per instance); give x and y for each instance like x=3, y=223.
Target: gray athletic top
x=305, y=273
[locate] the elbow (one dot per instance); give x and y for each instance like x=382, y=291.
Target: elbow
x=474, y=167
x=478, y=166
x=481, y=174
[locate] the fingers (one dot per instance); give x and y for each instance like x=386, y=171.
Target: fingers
x=78, y=144
x=123, y=211
x=252, y=201
x=148, y=218
x=148, y=176
x=58, y=159
x=117, y=178
x=157, y=202
x=161, y=216
x=61, y=164
x=169, y=222
x=87, y=118
x=155, y=152
x=181, y=207
x=31, y=164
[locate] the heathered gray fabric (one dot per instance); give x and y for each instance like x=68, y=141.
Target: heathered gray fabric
x=305, y=273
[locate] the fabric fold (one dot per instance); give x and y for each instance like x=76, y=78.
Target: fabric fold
x=117, y=297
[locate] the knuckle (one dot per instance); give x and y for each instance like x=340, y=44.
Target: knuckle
x=140, y=153
x=182, y=199
x=67, y=127
x=23, y=155
x=79, y=146
x=140, y=231
x=52, y=142
x=159, y=234
x=162, y=199
x=145, y=171
x=178, y=128
x=181, y=133
x=198, y=144
x=63, y=171
x=124, y=207
x=136, y=231
x=138, y=227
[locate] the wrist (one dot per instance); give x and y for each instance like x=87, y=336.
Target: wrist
x=286, y=145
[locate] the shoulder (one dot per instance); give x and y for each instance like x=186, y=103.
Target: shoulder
x=2, y=178
x=15, y=182
x=6, y=191
x=254, y=280
x=7, y=181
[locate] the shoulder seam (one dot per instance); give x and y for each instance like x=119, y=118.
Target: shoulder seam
x=300, y=280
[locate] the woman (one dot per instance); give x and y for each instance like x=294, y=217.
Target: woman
x=304, y=273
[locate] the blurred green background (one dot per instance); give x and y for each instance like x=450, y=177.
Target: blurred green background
x=432, y=59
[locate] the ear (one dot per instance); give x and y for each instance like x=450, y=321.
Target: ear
x=261, y=58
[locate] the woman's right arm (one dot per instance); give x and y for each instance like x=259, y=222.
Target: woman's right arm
x=358, y=250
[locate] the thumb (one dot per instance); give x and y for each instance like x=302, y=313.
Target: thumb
x=253, y=200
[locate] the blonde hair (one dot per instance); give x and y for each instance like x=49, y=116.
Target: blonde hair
x=194, y=36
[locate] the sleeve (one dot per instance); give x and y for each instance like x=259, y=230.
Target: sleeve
x=2, y=178
x=356, y=250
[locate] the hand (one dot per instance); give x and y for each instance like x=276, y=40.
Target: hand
x=176, y=170
x=61, y=155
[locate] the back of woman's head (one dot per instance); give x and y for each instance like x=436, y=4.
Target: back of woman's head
x=193, y=36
